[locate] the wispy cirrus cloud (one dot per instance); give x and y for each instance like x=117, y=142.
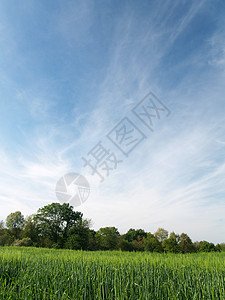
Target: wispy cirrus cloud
x=86, y=68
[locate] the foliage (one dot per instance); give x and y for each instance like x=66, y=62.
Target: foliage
x=25, y=242
x=172, y=243
x=78, y=236
x=124, y=245
x=222, y=246
x=15, y=222
x=186, y=245
x=30, y=230
x=161, y=234
x=107, y=238
x=59, y=226
x=54, y=221
x=135, y=235
x=209, y=247
x=152, y=244
x=2, y=225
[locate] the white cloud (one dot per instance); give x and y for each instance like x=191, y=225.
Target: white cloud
x=176, y=178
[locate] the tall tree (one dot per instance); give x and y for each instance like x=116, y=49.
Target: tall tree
x=15, y=222
x=171, y=244
x=2, y=225
x=124, y=245
x=161, y=234
x=107, y=238
x=186, y=245
x=5, y=237
x=222, y=246
x=54, y=221
x=79, y=235
x=207, y=247
x=135, y=235
x=30, y=230
x=152, y=244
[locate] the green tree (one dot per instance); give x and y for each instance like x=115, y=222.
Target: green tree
x=15, y=222
x=222, y=246
x=135, y=235
x=6, y=238
x=172, y=243
x=137, y=245
x=92, y=245
x=197, y=245
x=30, y=230
x=2, y=226
x=207, y=247
x=186, y=245
x=152, y=244
x=79, y=236
x=124, y=245
x=218, y=248
x=107, y=238
x=161, y=234
x=53, y=222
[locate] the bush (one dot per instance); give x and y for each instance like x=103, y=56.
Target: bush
x=208, y=247
x=26, y=242
x=6, y=240
x=125, y=245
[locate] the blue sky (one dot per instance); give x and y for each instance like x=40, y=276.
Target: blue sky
x=71, y=70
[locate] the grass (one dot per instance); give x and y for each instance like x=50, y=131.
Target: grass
x=31, y=273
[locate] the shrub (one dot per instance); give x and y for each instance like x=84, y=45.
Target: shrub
x=25, y=242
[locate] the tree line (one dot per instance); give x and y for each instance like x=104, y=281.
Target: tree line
x=59, y=226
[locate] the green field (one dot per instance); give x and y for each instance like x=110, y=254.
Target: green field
x=31, y=273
